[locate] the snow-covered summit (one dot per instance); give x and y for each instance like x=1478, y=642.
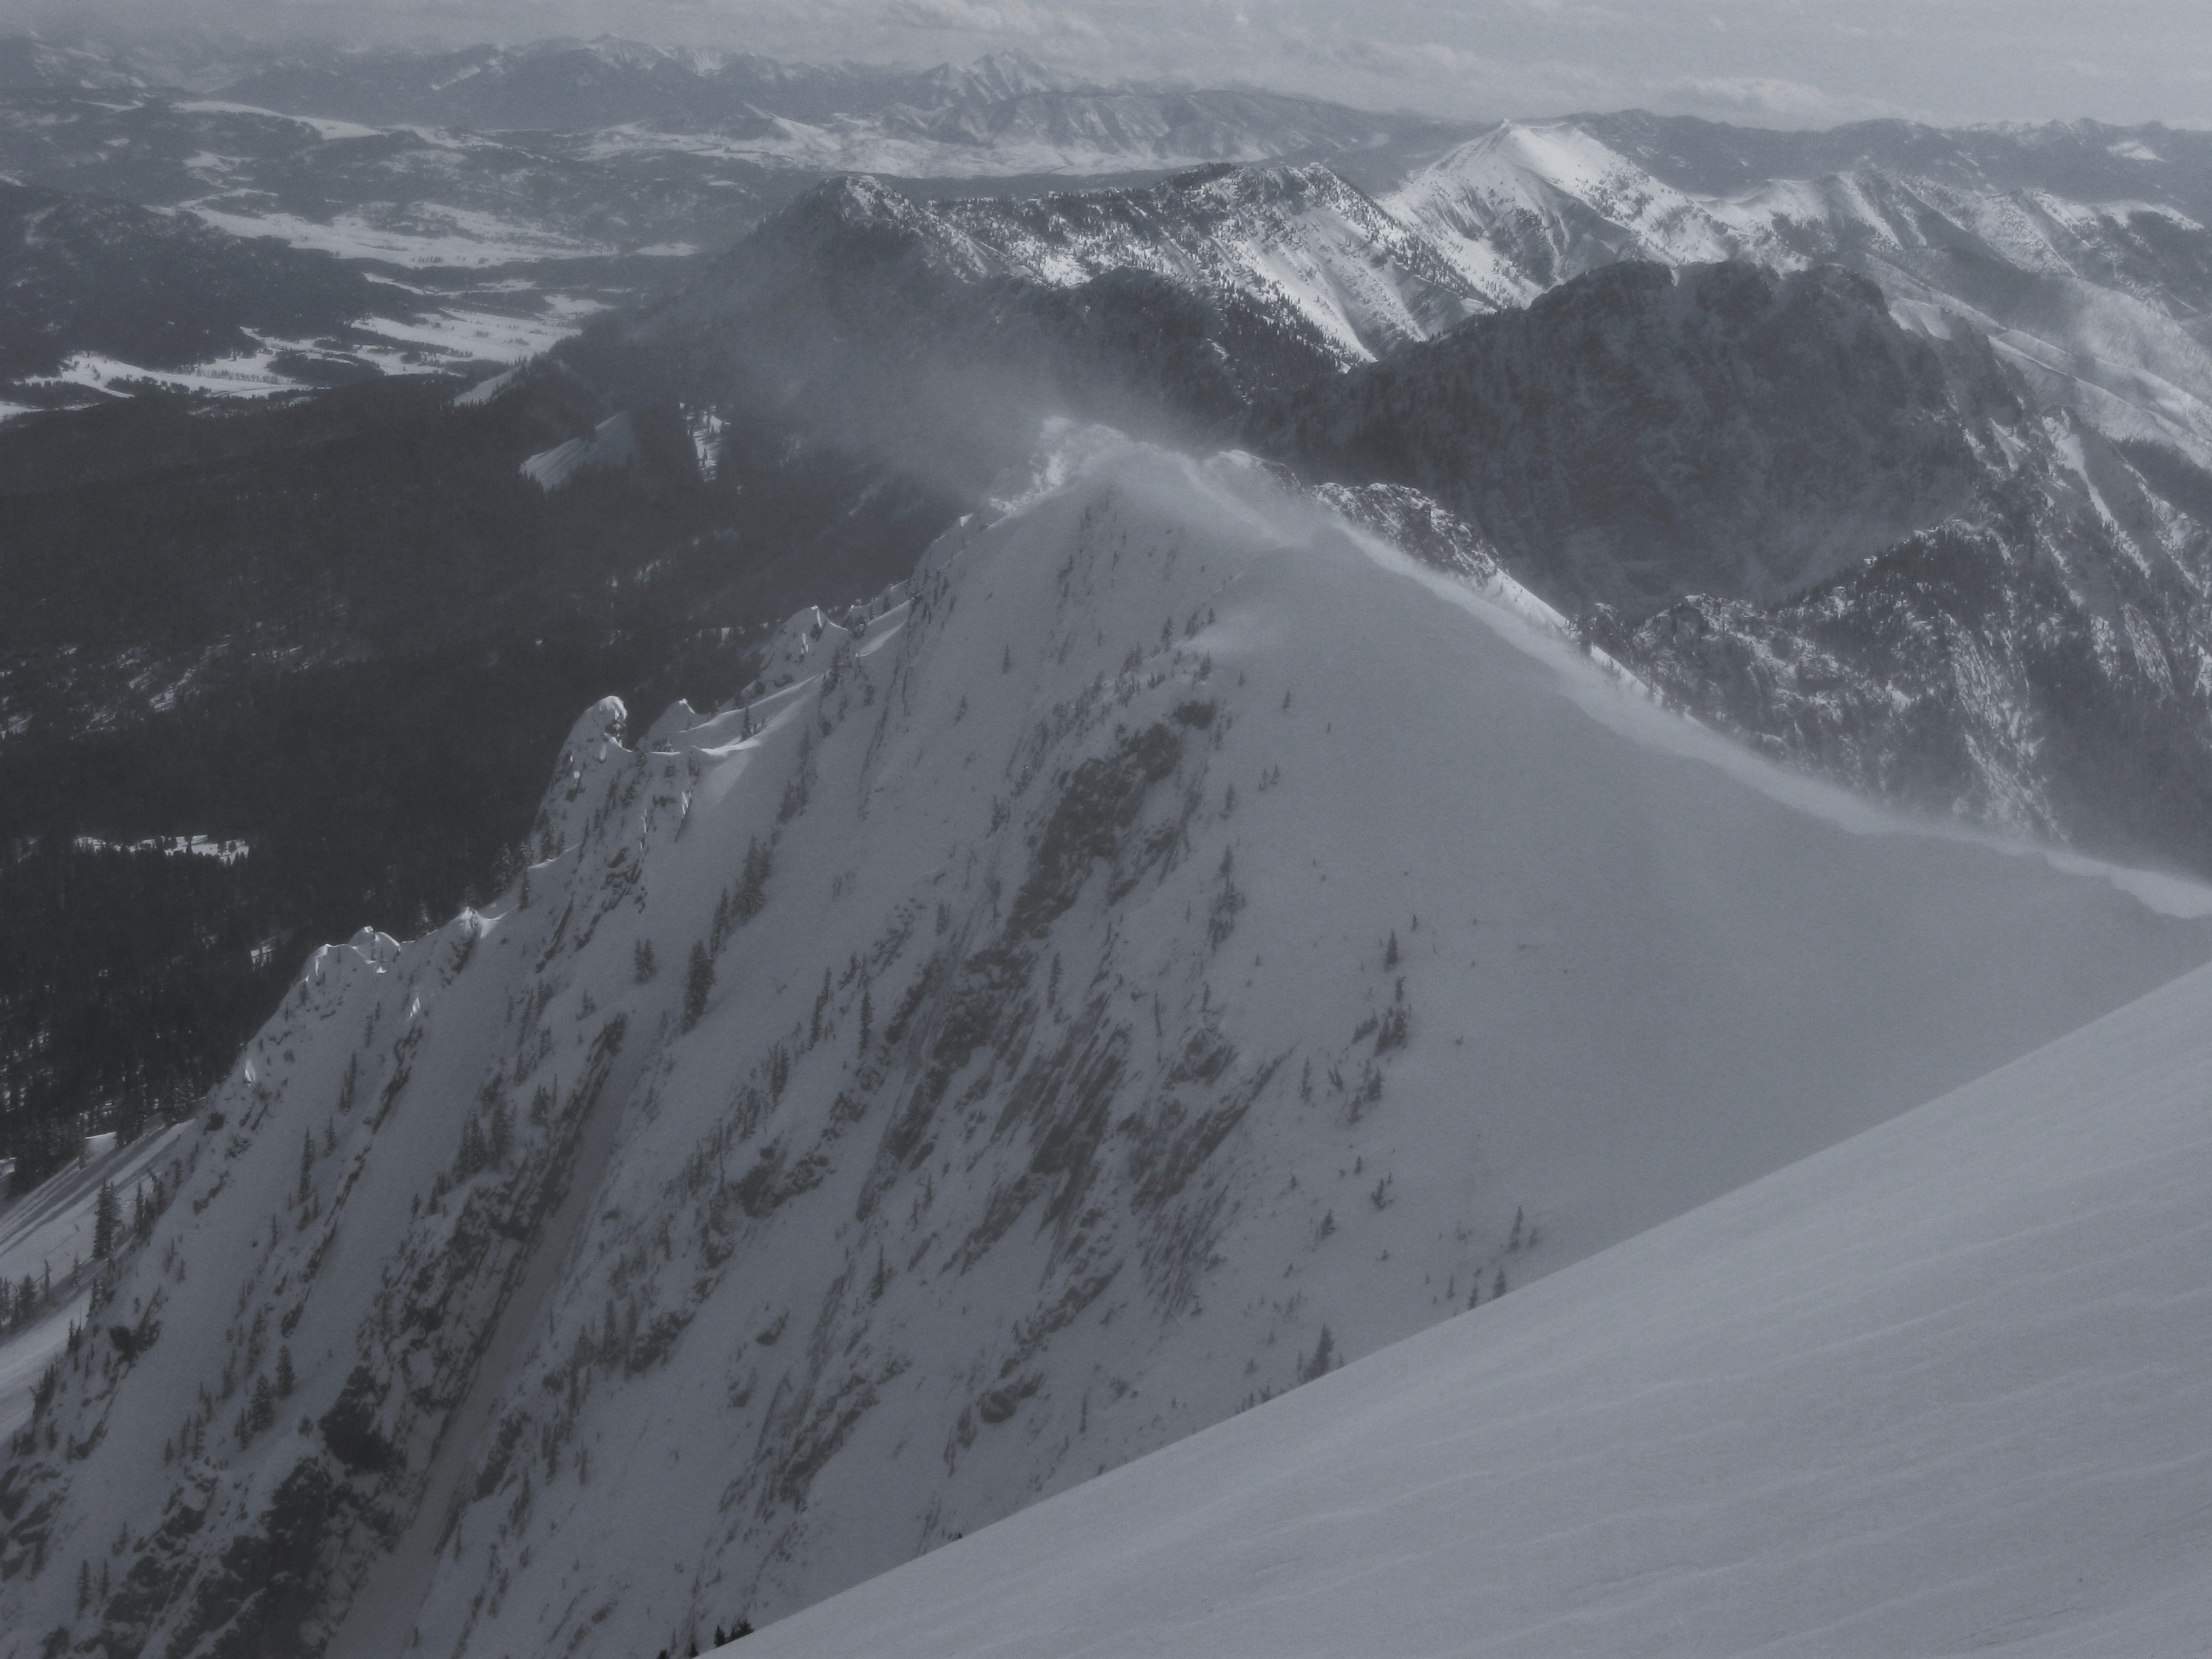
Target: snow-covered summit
x=1527, y=206
x=995, y=78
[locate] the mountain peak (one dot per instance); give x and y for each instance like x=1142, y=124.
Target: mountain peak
x=995, y=78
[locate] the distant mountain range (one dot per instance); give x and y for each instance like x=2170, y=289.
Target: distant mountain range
x=523, y=188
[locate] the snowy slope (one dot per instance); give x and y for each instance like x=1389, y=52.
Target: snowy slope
x=1182, y=938
x=1940, y=1389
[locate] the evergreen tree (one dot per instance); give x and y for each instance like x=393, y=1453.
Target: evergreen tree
x=306, y=1165
x=698, y=984
x=1324, y=1356
x=752, y=886
x=105, y=1216
x=641, y=959
x=287, y=1379
x=473, y=1154
x=262, y=1412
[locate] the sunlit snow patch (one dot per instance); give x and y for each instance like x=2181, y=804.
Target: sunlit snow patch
x=206, y=847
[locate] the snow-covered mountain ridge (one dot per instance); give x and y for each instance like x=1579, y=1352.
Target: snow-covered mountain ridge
x=1073, y=1057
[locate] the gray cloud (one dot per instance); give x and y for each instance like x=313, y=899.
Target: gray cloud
x=1788, y=62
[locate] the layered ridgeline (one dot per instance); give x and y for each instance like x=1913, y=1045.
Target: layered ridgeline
x=1872, y=552
x=1011, y=1039
x=1875, y=550
x=1935, y=1389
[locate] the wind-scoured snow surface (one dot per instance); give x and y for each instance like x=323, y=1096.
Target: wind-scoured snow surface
x=1941, y=1389
x=1180, y=939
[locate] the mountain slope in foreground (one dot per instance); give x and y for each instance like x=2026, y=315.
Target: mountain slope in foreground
x=1182, y=940
x=1939, y=1388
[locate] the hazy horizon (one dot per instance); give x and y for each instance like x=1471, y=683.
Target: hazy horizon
x=1766, y=63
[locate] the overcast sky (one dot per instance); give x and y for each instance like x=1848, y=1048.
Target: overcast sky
x=1772, y=62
